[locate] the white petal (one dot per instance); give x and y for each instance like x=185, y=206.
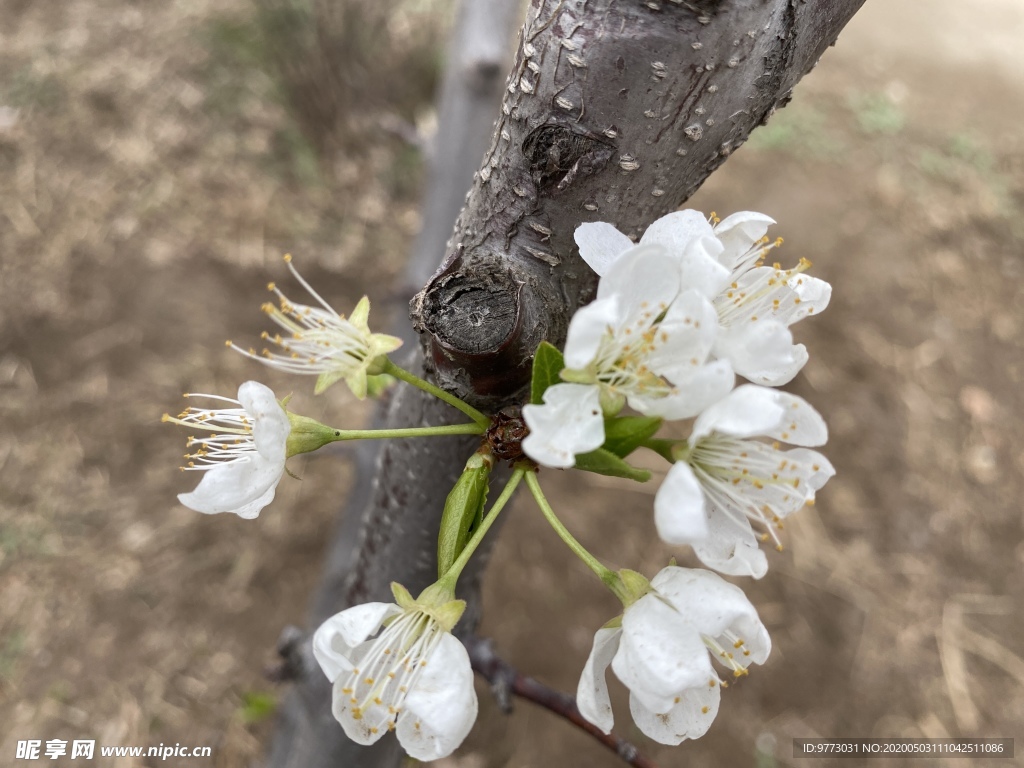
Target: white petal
x=700, y=268
x=643, y=278
x=592, y=692
x=677, y=231
x=271, y=426
x=252, y=510
x=441, y=708
x=686, y=335
x=731, y=546
x=659, y=654
x=762, y=351
x=600, y=245
x=704, y=385
x=800, y=423
x=679, y=507
x=818, y=470
x=814, y=294
x=586, y=329
x=569, y=422
x=746, y=411
x=361, y=730
x=739, y=232
x=686, y=720
x=235, y=486
x=335, y=639
x=708, y=602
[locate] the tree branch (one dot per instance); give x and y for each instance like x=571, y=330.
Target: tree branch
x=506, y=679
x=614, y=111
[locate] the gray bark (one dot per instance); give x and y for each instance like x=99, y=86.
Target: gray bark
x=614, y=111
x=388, y=531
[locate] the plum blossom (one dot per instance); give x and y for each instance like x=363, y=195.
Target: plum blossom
x=659, y=649
x=641, y=342
x=645, y=343
x=723, y=261
x=243, y=456
x=397, y=666
x=569, y=422
x=322, y=342
x=723, y=481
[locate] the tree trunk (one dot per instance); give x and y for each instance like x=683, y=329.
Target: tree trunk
x=613, y=111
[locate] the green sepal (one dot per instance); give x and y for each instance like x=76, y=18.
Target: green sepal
x=403, y=599
x=326, y=379
x=463, y=510
x=604, y=462
x=548, y=363
x=307, y=435
x=437, y=600
x=629, y=586
x=625, y=434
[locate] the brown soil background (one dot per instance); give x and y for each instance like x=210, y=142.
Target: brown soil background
x=152, y=172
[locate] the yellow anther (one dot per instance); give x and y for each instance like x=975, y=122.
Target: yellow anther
x=287, y=258
x=271, y=286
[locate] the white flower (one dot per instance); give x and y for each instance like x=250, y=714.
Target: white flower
x=755, y=304
x=414, y=676
x=723, y=481
x=323, y=343
x=660, y=652
x=643, y=342
x=568, y=423
x=242, y=457
x=640, y=342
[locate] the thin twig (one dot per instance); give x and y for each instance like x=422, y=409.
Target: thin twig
x=507, y=681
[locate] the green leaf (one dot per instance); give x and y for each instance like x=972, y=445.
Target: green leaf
x=607, y=463
x=624, y=435
x=547, y=364
x=463, y=510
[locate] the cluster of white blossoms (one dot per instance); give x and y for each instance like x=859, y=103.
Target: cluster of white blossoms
x=675, y=318
x=243, y=456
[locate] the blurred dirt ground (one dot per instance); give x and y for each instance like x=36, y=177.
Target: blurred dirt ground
x=154, y=165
